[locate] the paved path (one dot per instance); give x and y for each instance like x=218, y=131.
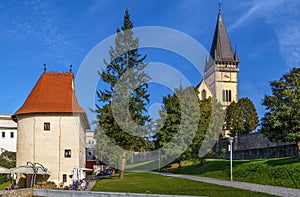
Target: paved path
x=279, y=191
x=90, y=184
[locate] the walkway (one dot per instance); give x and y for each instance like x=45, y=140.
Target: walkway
x=90, y=184
x=280, y=191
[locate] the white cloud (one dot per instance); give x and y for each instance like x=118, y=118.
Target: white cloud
x=258, y=8
x=35, y=20
x=283, y=17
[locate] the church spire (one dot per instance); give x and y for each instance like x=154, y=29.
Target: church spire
x=221, y=50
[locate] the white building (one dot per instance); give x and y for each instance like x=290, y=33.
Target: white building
x=51, y=128
x=221, y=70
x=8, y=134
x=90, y=149
x=90, y=139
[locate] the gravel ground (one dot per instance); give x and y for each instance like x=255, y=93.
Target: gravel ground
x=279, y=191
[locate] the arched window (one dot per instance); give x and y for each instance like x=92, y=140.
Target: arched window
x=226, y=95
x=203, y=94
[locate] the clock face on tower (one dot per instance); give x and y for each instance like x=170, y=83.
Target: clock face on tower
x=226, y=77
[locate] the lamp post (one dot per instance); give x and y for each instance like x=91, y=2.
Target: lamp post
x=158, y=159
x=230, y=139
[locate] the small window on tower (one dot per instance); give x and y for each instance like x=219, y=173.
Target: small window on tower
x=11, y=134
x=64, y=178
x=3, y=134
x=203, y=94
x=46, y=126
x=67, y=153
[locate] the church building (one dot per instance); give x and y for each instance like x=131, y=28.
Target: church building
x=221, y=69
x=51, y=129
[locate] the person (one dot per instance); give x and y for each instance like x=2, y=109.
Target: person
x=76, y=185
x=79, y=187
x=83, y=184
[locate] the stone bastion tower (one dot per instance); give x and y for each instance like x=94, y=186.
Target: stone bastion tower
x=51, y=129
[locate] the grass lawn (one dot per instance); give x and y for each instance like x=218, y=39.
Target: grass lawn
x=4, y=185
x=283, y=172
x=157, y=184
x=152, y=164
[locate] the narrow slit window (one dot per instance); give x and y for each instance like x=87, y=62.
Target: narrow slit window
x=46, y=126
x=203, y=94
x=64, y=178
x=68, y=153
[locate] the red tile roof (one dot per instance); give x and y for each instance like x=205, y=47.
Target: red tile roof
x=54, y=92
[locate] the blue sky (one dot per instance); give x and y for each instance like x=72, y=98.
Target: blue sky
x=59, y=33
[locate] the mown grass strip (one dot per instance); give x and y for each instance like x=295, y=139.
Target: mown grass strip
x=284, y=172
x=148, y=183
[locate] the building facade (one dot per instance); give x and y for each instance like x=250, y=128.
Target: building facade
x=51, y=128
x=221, y=69
x=8, y=132
x=90, y=149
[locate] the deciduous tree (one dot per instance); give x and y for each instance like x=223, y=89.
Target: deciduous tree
x=281, y=121
x=241, y=117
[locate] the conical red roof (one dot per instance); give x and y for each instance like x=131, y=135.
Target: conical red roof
x=54, y=92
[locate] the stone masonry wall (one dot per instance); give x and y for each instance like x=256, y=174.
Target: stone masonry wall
x=17, y=193
x=252, y=146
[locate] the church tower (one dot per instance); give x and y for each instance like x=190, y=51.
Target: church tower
x=221, y=69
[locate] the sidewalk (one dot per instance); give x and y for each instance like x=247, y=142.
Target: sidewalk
x=280, y=191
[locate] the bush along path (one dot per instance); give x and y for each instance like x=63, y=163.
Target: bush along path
x=279, y=191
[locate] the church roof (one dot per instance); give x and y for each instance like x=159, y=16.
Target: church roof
x=221, y=50
x=54, y=92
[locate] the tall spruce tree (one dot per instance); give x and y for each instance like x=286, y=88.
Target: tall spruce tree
x=122, y=115
x=281, y=121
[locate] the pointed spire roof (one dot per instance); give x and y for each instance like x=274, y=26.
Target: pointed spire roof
x=221, y=50
x=53, y=93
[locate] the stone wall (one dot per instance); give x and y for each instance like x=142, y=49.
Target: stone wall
x=57, y=193
x=17, y=193
x=254, y=146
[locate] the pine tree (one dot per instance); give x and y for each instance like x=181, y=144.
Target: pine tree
x=281, y=122
x=123, y=113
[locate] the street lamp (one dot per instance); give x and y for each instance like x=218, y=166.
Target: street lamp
x=159, y=159
x=230, y=139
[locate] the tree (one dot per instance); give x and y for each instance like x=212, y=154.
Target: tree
x=8, y=159
x=281, y=121
x=122, y=115
x=205, y=117
x=241, y=117
x=178, y=125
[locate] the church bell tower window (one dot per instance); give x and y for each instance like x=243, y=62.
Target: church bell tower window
x=203, y=94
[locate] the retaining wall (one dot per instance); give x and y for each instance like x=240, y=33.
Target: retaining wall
x=17, y=193
x=58, y=193
x=254, y=146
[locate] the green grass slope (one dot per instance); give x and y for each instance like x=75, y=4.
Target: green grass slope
x=283, y=172
x=149, y=183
